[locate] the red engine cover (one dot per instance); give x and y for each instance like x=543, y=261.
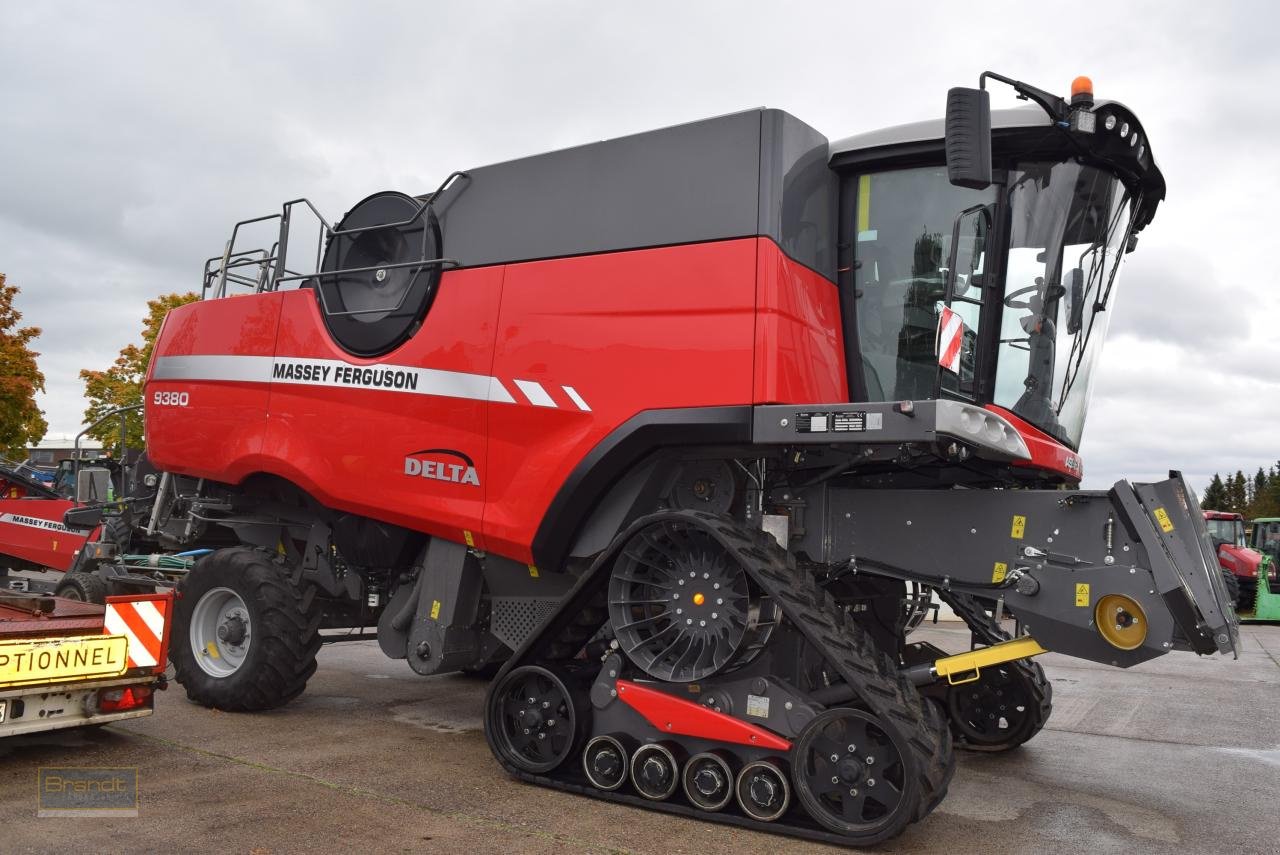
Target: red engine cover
x=469, y=429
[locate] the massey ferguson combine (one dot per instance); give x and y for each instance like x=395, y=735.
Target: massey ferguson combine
x=668, y=424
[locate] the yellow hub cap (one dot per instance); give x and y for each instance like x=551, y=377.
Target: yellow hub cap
x=1121, y=621
x=698, y=599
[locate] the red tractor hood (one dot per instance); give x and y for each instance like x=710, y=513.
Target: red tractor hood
x=1240, y=560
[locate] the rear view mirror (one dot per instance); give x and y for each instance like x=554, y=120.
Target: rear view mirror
x=968, y=137
x=1075, y=292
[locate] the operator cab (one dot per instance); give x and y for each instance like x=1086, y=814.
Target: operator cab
x=992, y=288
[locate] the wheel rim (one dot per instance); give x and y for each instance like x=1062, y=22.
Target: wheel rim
x=991, y=710
x=681, y=605
x=534, y=719
x=73, y=592
x=849, y=772
x=221, y=632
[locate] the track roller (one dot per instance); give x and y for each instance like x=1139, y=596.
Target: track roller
x=533, y=719
x=655, y=770
x=762, y=790
x=606, y=762
x=850, y=775
x=708, y=780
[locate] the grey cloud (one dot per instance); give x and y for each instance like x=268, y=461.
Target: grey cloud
x=133, y=137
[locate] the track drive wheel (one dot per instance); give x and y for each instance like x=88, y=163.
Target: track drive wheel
x=532, y=718
x=243, y=639
x=850, y=773
x=996, y=712
x=85, y=587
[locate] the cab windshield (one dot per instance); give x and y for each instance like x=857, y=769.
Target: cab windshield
x=1069, y=226
x=1230, y=532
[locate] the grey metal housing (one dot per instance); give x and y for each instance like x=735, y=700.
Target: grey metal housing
x=760, y=172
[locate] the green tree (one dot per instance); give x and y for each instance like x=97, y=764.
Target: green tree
x=1237, y=493
x=21, y=422
x=121, y=384
x=1215, y=495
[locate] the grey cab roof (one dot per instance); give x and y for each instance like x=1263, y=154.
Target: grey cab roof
x=1028, y=116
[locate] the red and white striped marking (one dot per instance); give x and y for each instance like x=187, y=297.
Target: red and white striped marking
x=950, y=339
x=142, y=621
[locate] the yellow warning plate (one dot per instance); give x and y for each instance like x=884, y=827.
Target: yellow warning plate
x=52, y=660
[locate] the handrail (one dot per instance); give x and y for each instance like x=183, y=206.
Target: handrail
x=219, y=270
x=124, y=450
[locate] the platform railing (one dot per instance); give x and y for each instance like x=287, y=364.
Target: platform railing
x=264, y=269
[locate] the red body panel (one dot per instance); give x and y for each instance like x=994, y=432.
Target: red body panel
x=31, y=530
x=1046, y=452
x=670, y=714
x=531, y=365
x=799, y=335
x=221, y=427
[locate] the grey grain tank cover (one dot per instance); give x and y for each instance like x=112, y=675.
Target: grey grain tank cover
x=760, y=172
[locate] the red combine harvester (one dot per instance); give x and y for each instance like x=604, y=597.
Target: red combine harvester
x=32, y=533
x=665, y=426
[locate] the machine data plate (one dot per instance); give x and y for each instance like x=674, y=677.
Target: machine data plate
x=849, y=421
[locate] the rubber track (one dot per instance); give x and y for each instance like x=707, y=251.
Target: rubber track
x=879, y=685
x=985, y=628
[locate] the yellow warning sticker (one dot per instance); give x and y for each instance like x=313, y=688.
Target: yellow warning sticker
x=1082, y=594
x=998, y=574
x=533, y=571
x=435, y=609
x=466, y=535
x=212, y=650
x=1166, y=525
x=1019, y=527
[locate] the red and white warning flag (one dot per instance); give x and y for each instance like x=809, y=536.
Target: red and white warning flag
x=950, y=338
x=143, y=621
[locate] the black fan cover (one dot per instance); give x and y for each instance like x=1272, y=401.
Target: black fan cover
x=374, y=311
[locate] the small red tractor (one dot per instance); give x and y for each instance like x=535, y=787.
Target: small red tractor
x=663, y=427
x=1242, y=565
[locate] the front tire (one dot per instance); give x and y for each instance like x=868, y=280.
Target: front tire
x=244, y=637
x=85, y=587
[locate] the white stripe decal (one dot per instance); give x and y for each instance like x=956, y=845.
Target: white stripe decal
x=150, y=616
x=498, y=392
x=535, y=393
x=138, y=654
x=32, y=522
x=577, y=399
x=337, y=373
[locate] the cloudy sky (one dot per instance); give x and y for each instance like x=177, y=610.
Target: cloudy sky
x=133, y=135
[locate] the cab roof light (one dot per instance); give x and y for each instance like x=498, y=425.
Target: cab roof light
x=1082, y=92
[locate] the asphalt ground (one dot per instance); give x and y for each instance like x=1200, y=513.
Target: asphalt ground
x=1178, y=755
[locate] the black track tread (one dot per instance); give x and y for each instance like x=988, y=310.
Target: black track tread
x=287, y=633
x=880, y=687
x=985, y=629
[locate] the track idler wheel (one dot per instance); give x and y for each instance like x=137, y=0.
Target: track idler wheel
x=655, y=770
x=683, y=607
x=762, y=790
x=606, y=762
x=533, y=718
x=851, y=777
x=995, y=712
x=708, y=780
